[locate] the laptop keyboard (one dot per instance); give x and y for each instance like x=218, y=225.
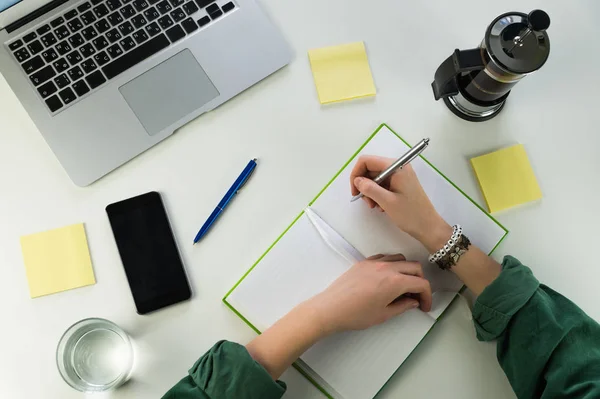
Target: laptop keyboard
x=80, y=50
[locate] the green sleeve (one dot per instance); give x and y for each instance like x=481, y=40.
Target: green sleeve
x=547, y=346
x=227, y=371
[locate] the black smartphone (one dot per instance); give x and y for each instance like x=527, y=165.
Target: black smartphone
x=148, y=251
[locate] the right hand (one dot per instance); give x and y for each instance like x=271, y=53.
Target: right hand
x=402, y=198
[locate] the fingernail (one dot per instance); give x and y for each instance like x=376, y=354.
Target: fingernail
x=414, y=305
x=358, y=180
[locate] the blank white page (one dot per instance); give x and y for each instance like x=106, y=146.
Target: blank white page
x=357, y=364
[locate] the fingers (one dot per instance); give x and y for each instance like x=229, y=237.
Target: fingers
x=368, y=166
x=419, y=286
x=392, y=258
x=373, y=191
x=400, y=306
x=375, y=257
x=408, y=268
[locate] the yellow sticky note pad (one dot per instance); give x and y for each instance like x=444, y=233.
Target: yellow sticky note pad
x=341, y=72
x=57, y=260
x=506, y=178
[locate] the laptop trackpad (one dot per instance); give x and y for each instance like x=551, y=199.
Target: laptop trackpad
x=168, y=92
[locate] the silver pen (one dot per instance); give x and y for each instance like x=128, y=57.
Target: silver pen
x=399, y=164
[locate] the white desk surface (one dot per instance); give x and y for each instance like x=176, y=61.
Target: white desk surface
x=555, y=113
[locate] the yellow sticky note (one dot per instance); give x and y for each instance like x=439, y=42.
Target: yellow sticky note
x=506, y=178
x=57, y=260
x=341, y=72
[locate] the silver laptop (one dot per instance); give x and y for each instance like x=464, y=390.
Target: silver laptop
x=104, y=80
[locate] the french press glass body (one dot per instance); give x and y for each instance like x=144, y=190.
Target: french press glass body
x=475, y=83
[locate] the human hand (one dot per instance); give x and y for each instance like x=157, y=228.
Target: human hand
x=402, y=198
x=369, y=294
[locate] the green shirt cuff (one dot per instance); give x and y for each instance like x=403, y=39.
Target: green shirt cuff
x=503, y=298
x=228, y=371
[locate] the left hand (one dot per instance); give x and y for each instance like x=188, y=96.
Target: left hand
x=368, y=294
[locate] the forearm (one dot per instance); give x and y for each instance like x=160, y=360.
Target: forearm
x=474, y=268
x=280, y=345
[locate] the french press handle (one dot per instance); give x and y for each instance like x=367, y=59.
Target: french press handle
x=445, y=80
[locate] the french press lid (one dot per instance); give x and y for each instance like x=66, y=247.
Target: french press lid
x=517, y=42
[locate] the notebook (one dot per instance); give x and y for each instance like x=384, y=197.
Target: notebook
x=299, y=264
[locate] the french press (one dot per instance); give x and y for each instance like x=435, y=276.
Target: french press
x=475, y=83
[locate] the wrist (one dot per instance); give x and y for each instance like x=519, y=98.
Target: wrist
x=436, y=235
x=314, y=318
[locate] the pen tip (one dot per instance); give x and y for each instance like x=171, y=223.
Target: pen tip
x=426, y=140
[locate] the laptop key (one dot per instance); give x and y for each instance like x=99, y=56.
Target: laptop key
x=61, y=32
x=88, y=65
x=57, y=22
x=175, y=33
x=102, y=26
x=63, y=47
x=15, y=45
x=85, y=6
x=127, y=11
x=113, y=4
x=176, y=3
x=29, y=37
x=46, y=89
x=140, y=36
x=95, y=79
x=114, y=51
x=35, y=47
x=140, y=5
x=74, y=24
x=128, y=43
x=101, y=58
x=71, y=14
x=76, y=40
x=177, y=15
x=87, y=50
x=203, y=21
x=228, y=7
x=164, y=7
x=190, y=7
x=62, y=81
x=126, y=28
x=54, y=103
x=75, y=73
x=42, y=75
x=89, y=33
x=153, y=29
x=204, y=3
x=100, y=43
x=151, y=14
x=22, y=54
x=138, y=21
x=165, y=22
x=88, y=17
x=216, y=14
x=101, y=10
x=60, y=65
x=74, y=58
x=136, y=55
x=43, y=29
x=67, y=95
x=113, y=35
x=189, y=25
x=48, y=40
x=81, y=88
x=33, y=64
x=115, y=18
x=50, y=55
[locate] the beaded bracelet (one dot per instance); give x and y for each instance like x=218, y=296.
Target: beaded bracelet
x=450, y=253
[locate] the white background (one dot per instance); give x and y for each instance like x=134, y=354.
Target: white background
x=555, y=113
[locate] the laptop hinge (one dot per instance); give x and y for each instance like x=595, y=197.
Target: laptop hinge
x=33, y=15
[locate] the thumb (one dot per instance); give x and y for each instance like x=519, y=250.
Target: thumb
x=373, y=190
x=400, y=306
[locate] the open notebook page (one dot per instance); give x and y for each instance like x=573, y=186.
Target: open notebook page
x=357, y=364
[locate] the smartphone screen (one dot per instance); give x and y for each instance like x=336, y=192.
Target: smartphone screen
x=148, y=251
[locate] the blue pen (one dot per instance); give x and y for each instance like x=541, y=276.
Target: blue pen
x=239, y=182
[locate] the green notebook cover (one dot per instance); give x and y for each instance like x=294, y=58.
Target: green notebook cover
x=311, y=202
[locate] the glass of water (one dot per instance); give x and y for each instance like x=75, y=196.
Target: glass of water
x=94, y=355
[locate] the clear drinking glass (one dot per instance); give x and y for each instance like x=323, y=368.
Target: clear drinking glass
x=94, y=355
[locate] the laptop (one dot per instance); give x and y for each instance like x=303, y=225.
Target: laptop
x=104, y=80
